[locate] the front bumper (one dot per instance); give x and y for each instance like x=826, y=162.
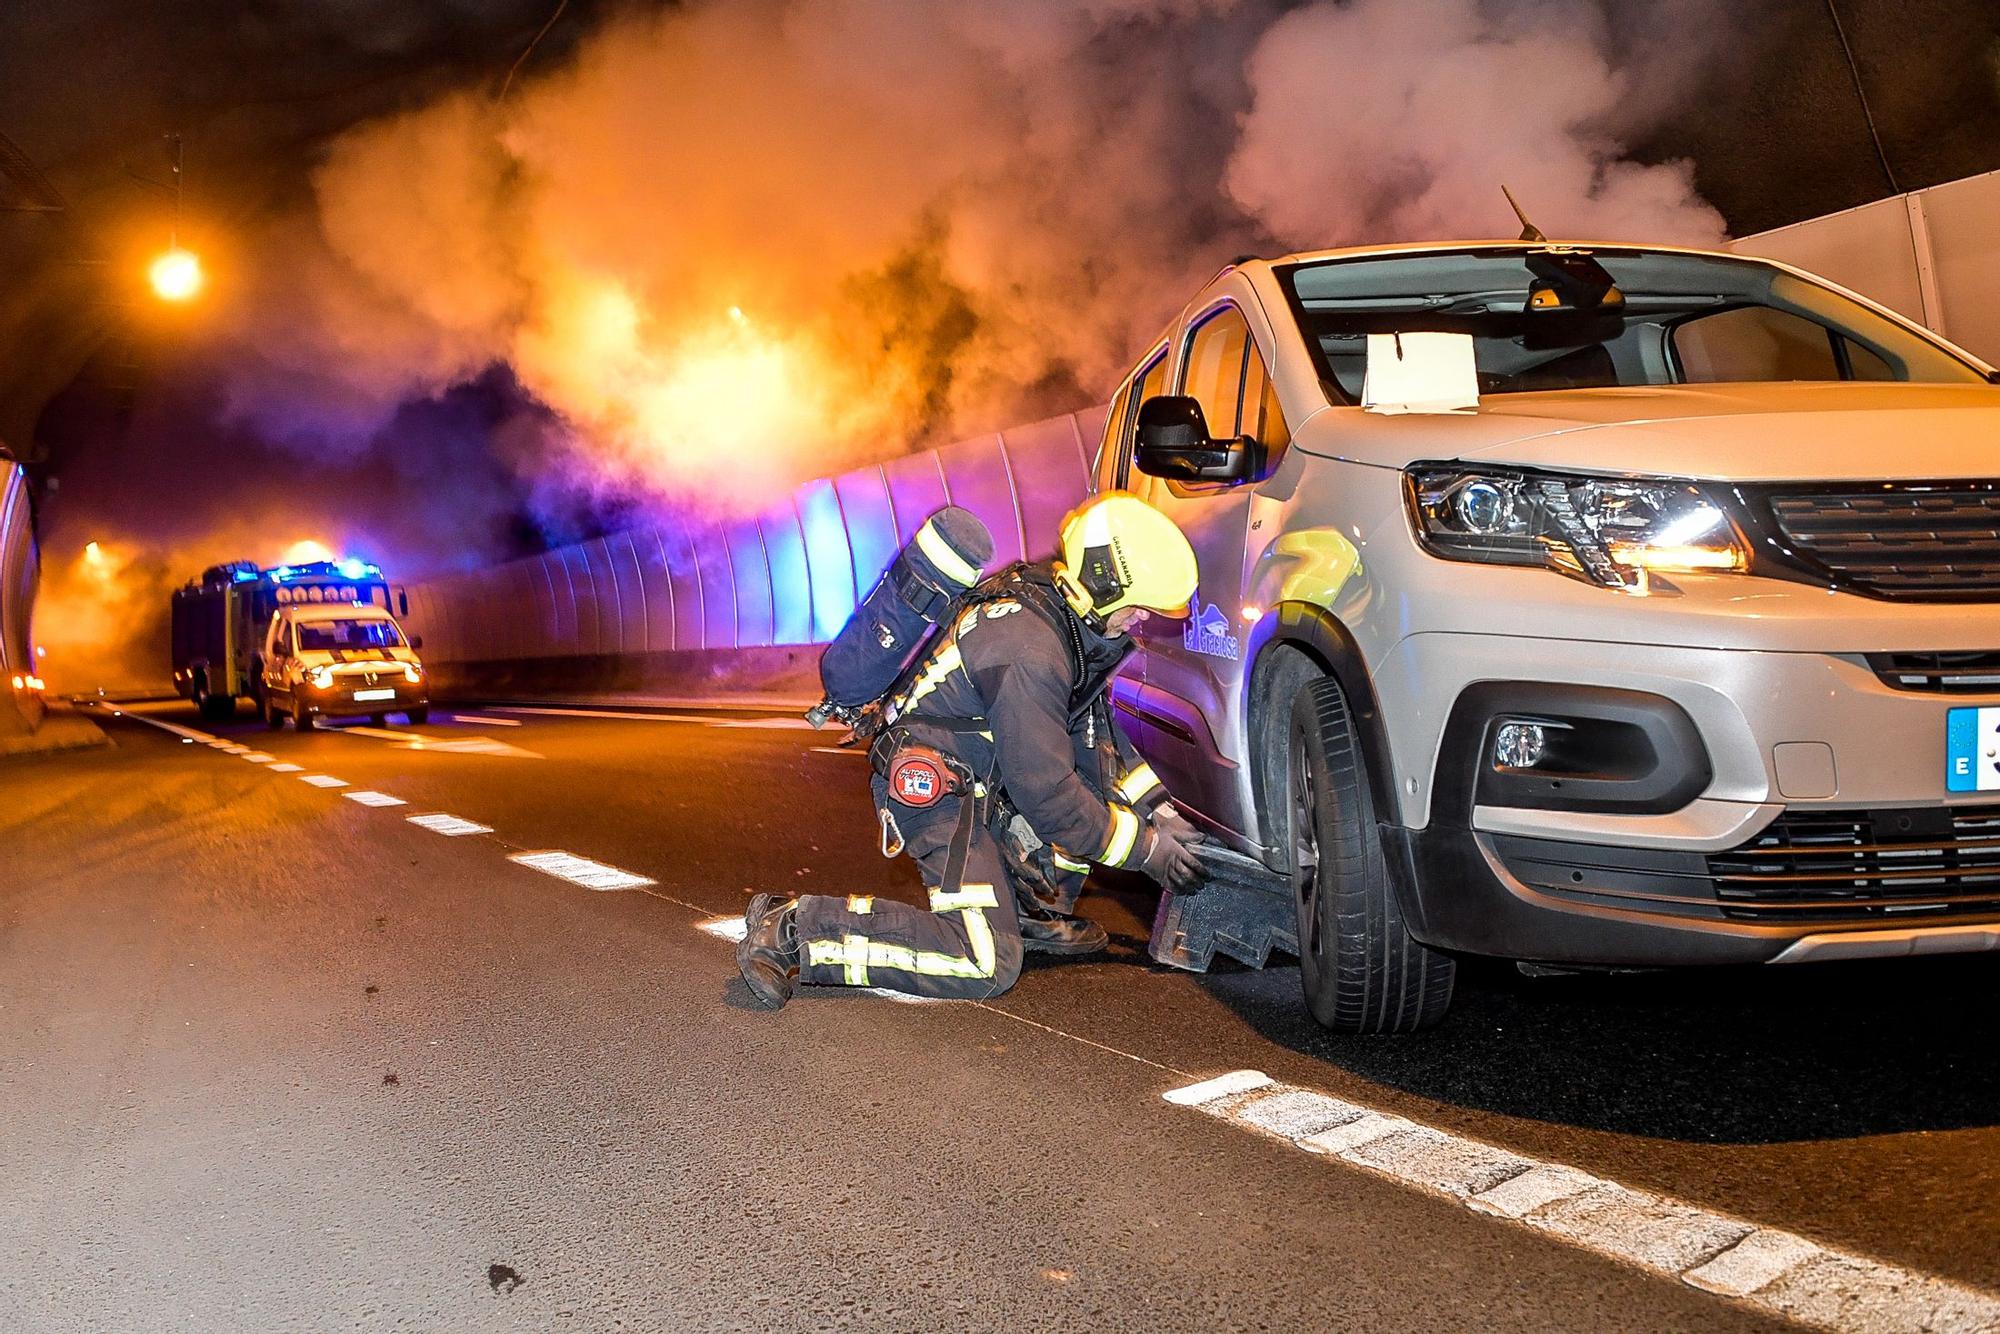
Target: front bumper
x=339, y=699
x=1819, y=825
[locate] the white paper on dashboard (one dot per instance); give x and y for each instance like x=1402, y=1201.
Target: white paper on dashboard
x=1420, y=372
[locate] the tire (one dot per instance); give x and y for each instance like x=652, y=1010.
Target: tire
x=378, y=720
x=216, y=708
x=302, y=720
x=272, y=718
x=419, y=715
x=1361, y=969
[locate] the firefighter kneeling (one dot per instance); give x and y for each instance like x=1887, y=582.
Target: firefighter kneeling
x=1002, y=774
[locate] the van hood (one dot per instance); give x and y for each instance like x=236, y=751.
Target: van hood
x=1736, y=432
x=356, y=658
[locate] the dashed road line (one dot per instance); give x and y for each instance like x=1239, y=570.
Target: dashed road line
x=257, y=757
x=285, y=768
x=580, y=870
x=366, y=797
x=184, y=733
x=1778, y=1272
x=483, y=720
x=450, y=826
x=323, y=780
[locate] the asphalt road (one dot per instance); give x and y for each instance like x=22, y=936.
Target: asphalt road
x=273, y=1059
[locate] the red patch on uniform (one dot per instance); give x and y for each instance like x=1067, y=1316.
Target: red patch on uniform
x=917, y=781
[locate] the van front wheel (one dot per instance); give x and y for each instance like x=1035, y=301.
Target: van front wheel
x=1362, y=970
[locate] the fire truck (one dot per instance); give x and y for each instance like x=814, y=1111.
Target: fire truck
x=220, y=620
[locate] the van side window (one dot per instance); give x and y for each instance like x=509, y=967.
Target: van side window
x=1214, y=375
x=1105, y=470
x=1263, y=418
x=1114, y=465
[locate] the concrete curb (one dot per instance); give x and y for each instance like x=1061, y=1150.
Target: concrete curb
x=60, y=730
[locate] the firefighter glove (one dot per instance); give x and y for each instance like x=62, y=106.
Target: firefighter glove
x=1170, y=857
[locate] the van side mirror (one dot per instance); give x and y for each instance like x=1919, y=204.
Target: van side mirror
x=1173, y=442
x=416, y=643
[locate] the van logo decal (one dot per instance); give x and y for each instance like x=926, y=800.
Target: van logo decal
x=1207, y=632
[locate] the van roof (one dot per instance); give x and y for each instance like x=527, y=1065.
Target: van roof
x=334, y=611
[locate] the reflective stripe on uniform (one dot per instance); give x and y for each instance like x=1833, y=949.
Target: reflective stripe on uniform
x=954, y=566
x=856, y=954
x=942, y=664
x=1063, y=862
x=966, y=896
x=1137, y=785
x=861, y=904
x=1124, y=836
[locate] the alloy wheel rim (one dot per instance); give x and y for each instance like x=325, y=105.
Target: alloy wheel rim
x=1305, y=849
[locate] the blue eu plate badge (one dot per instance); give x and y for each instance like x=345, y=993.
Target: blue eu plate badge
x=1972, y=750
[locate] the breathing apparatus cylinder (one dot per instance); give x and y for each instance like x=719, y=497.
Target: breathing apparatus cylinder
x=894, y=622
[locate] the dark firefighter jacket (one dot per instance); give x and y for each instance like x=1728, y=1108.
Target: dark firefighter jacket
x=1028, y=666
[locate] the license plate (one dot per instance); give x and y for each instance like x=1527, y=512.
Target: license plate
x=362, y=696
x=1972, y=750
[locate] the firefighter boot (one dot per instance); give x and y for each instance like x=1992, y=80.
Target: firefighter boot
x=768, y=954
x=1044, y=930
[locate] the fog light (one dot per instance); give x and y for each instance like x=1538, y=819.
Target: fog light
x=1519, y=745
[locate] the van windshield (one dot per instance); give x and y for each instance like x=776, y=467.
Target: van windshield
x=335, y=636
x=1684, y=319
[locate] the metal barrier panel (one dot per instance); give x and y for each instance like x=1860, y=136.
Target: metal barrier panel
x=977, y=473
x=871, y=524
x=754, y=610
x=1963, y=221
x=829, y=557
x=685, y=580
x=790, y=576
x=785, y=547
x=718, y=588
x=917, y=490
x=1933, y=255
x=632, y=617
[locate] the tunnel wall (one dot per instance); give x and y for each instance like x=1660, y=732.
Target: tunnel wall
x=1933, y=255
x=19, y=572
x=691, y=607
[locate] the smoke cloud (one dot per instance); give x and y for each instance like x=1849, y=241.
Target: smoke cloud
x=733, y=246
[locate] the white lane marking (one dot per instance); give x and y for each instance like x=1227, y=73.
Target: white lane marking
x=185, y=733
x=784, y=724
x=322, y=780
x=449, y=825
x=257, y=757
x=368, y=798
x=734, y=929
x=1776, y=1271
x=580, y=870
x=475, y=745
x=481, y=718
x=282, y=768
x=842, y=750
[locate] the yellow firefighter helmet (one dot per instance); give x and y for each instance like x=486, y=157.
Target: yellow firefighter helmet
x=1118, y=552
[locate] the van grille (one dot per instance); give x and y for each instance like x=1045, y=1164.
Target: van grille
x=1816, y=865
x=1936, y=543
x=1941, y=673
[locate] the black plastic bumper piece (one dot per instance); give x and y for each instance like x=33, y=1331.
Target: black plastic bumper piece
x=1245, y=912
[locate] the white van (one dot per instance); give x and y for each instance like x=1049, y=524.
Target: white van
x=340, y=658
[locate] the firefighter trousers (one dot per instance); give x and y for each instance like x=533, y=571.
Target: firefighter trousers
x=967, y=946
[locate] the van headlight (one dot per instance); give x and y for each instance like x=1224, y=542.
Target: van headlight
x=1612, y=531
x=321, y=677
x=412, y=673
